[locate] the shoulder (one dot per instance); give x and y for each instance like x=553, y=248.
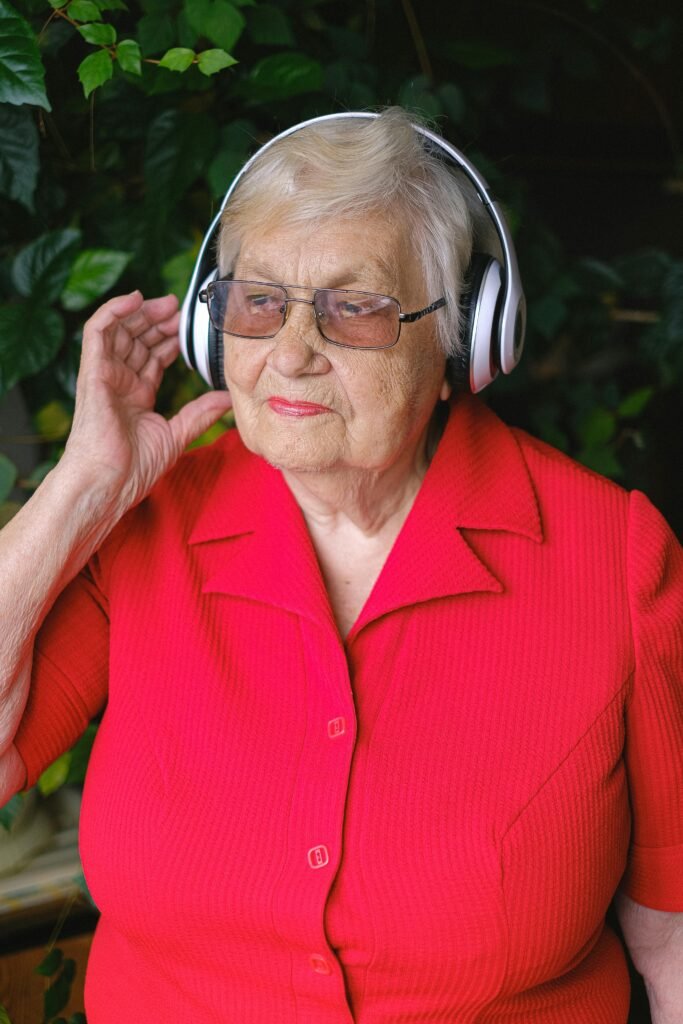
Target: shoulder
x=602, y=513
x=566, y=487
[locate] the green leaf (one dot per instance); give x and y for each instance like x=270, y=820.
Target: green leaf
x=177, y=271
x=42, y=268
x=217, y=20
x=84, y=10
x=111, y=5
x=235, y=143
x=416, y=94
x=128, y=56
x=269, y=26
x=4, y=1016
x=285, y=74
x=601, y=460
x=80, y=881
x=9, y=812
x=99, y=35
x=51, y=963
x=155, y=33
x=80, y=754
x=58, y=4
x=177, y=59
x=597, y=427
x=176, y=150
x=53, y=420
x=212, y=61
x=8, y=475
x=30, y=336
x=54, y=777
x=634, y=403
x=22, y=76
x=546, y=315
x=95, y=70
x=19, y=159
x=58, y=993
x=93, y=273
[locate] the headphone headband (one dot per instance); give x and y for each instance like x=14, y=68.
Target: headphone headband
x=506, y=310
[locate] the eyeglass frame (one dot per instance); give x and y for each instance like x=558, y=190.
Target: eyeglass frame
x=408, y=318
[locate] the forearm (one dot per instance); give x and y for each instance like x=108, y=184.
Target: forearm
x=41, y=550
x=655, y=943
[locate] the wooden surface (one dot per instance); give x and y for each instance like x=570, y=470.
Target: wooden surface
x=21, y=990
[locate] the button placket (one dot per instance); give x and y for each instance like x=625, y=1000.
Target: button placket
x=336, y=727
x=320, y=964
x=318, y=856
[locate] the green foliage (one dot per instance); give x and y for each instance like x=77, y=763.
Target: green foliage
x=216, y=20
x=96, y=69
x=210, y=62
x=93, y=272
x=62, y=971
x=129, y=57
x=100, y=35
x=179, y=58
x=22, y=77
x=110, y=176
x=18, y=155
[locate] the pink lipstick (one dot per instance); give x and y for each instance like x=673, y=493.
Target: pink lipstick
x=297, y=409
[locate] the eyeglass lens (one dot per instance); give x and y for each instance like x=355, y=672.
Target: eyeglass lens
x=254, y=310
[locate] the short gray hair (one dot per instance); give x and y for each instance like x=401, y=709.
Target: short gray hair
x=350, y=167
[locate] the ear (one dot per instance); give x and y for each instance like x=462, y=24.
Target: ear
x=446, y=390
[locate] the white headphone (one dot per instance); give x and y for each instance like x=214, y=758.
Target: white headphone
x=493, y=306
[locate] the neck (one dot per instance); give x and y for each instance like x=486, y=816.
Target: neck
x=372, y=501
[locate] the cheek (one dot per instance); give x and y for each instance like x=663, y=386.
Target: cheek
x=243, y=364
x=406, y=382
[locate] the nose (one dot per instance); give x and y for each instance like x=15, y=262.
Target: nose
x=298, y=347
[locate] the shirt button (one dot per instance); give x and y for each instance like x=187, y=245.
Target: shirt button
x=318, y=856
x=336, y=727
x=320, y=964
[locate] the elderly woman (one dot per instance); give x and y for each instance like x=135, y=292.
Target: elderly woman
x=394, y=703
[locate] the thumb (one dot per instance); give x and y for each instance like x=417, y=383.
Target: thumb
x=197, y=416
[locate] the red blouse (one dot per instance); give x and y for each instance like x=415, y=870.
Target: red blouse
x=426, y=823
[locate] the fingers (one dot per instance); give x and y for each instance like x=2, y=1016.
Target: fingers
x=128, y=328
x=159, y=359
x=152, y=318
x=197, y=416
x=128, y=317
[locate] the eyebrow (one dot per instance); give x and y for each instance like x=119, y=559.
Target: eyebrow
x=353, y=274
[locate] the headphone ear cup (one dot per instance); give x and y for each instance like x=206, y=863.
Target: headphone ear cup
x=194, y=329
x=216, y=356
x=477, y=363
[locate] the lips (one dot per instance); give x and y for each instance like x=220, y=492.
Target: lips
x=283, y=407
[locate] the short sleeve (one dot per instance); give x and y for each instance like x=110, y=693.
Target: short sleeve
x=70, y=672
x=654, y=722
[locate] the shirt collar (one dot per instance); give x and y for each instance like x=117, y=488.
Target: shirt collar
x=477, y=480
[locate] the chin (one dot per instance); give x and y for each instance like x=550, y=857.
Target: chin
x=294, y=454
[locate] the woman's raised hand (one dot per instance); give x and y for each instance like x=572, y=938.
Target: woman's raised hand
x=118, y=444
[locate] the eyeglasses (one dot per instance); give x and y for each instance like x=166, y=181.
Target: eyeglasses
x=350, y=319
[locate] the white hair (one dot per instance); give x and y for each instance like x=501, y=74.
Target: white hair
x=351, y=167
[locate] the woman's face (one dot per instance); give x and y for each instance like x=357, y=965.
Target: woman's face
x=375, y=406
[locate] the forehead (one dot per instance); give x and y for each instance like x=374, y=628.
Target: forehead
x=369, y=252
